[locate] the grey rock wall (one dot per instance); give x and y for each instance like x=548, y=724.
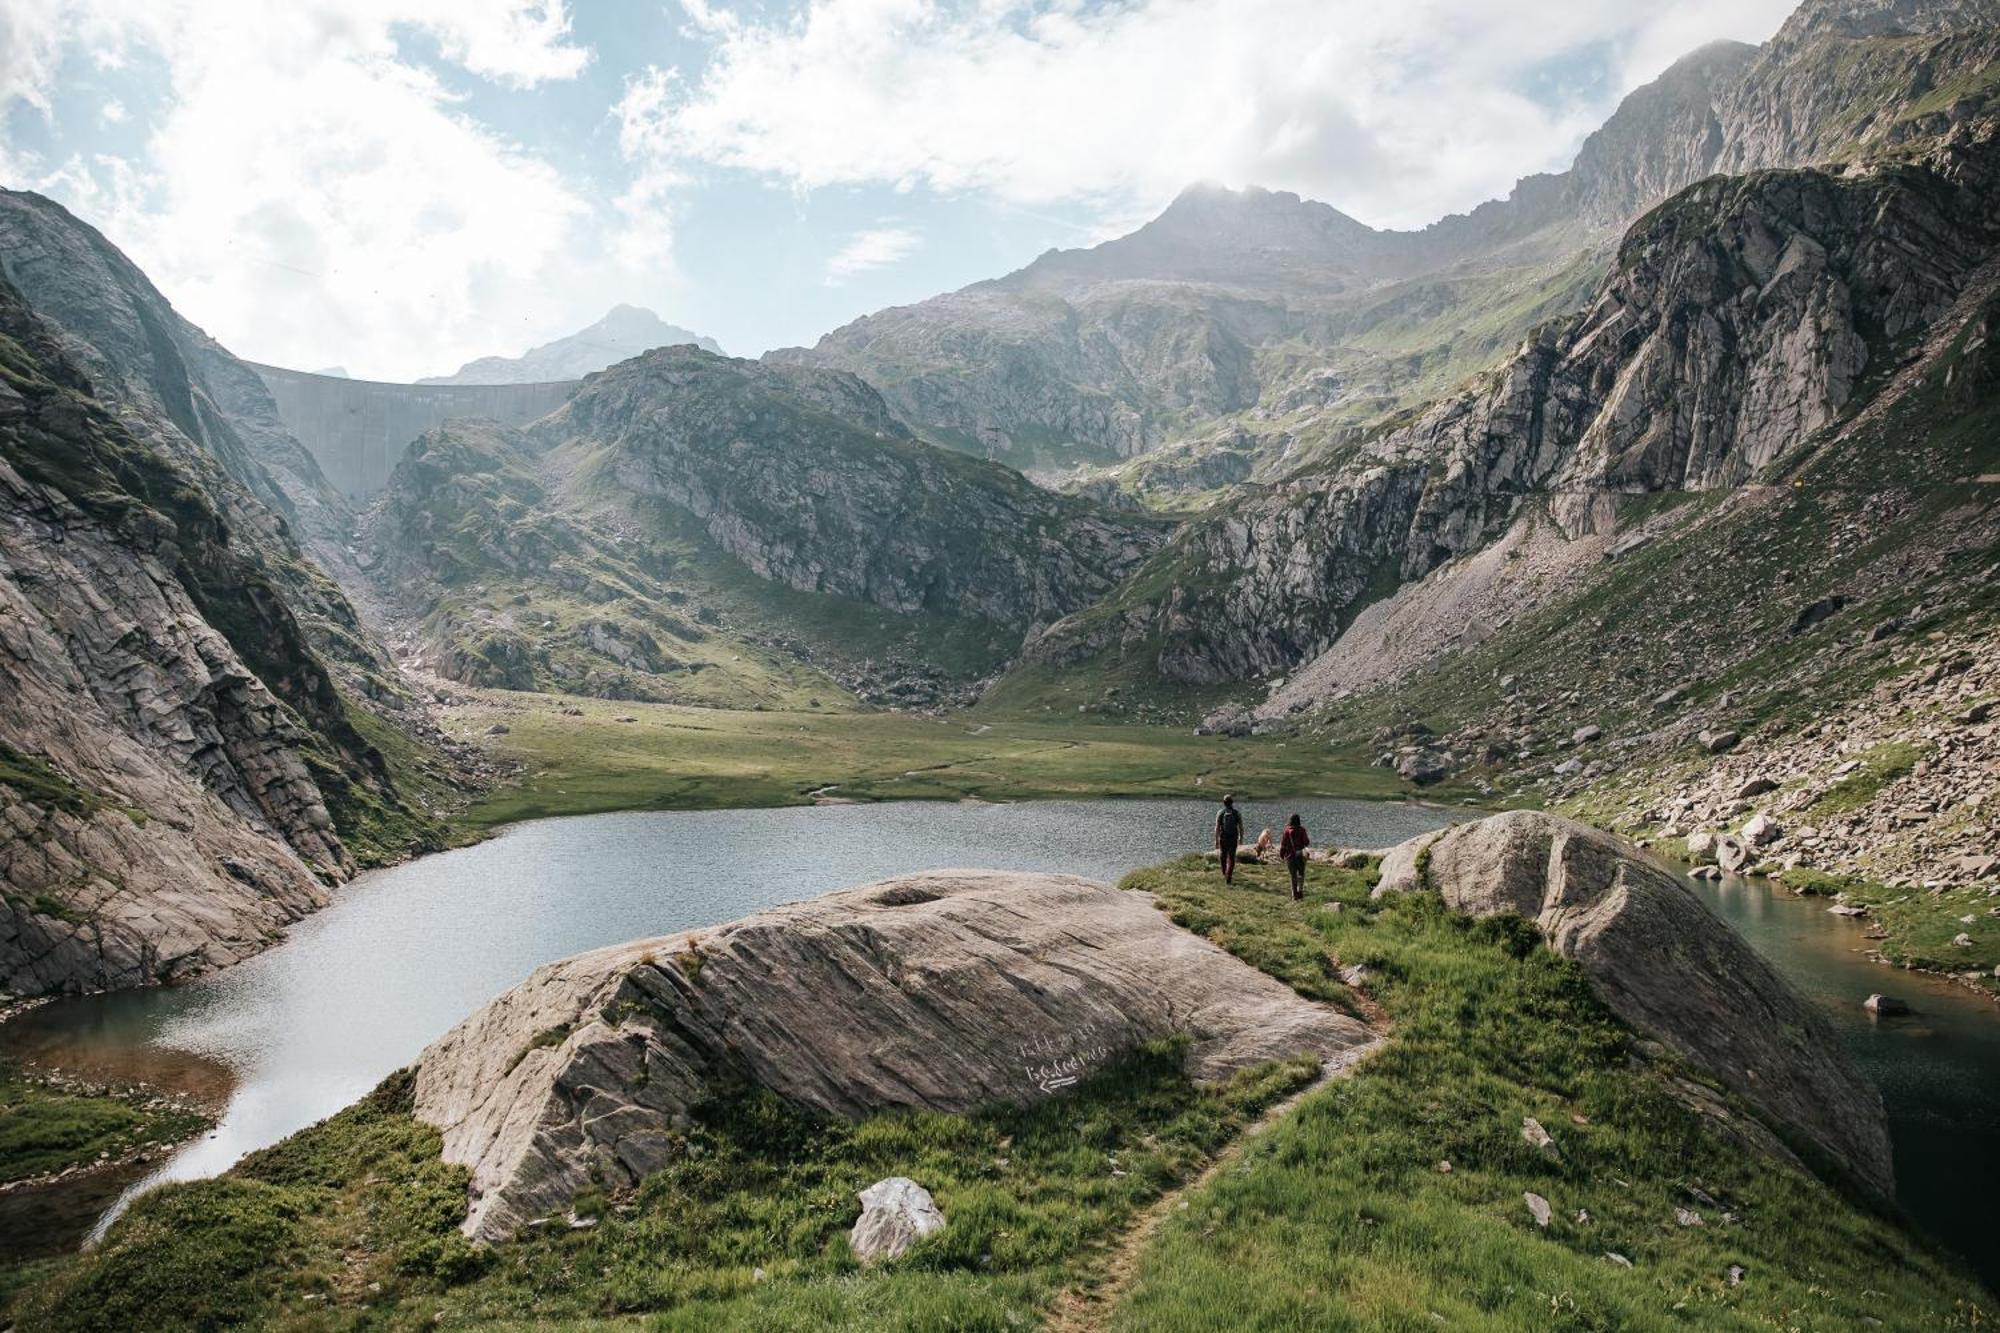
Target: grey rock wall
x=358, y=430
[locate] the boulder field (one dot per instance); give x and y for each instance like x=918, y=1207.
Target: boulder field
x=956, y=989
x=1665, y=964
x=943, y=991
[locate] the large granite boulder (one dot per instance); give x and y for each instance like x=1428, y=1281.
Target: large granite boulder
x=947, y=991
x=1663, y=963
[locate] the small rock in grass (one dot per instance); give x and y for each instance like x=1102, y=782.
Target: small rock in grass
x=1619, y=1259
x=1444, y=1168
x=1585, y=735
x=1687, y=1217
x=1961, y=941
x=1537, y=1137
x=1736, y=1272
x=1538, y=1207
x=895, y=1214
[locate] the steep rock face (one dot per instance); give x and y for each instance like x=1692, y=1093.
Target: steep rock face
x=1736, y=322
x=944, y=991
x=158, y=814
x=1664, y=964
x=176, y=386
x=805, y=477
x=183, y=397
x=625, y=331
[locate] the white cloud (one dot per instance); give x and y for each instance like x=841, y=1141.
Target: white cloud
x=876, y=247
x=312, y=195
x=1396, y=112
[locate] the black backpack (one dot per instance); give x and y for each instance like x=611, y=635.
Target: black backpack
x=1230, y=824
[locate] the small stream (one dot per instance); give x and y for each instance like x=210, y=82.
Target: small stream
x=358, y=990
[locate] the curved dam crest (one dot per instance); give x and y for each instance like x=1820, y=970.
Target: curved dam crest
x=357, y=430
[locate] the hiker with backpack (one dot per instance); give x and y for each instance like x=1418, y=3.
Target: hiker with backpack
x=1228, y=833
x=1292, y=851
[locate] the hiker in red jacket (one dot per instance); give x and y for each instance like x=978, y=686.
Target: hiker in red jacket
x=1228, y=833
x=1292, y=851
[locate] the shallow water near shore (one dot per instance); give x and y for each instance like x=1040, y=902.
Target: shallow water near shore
x=1938, y=1067
x=358, y=990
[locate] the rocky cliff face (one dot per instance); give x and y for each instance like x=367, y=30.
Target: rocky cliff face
x=945, y=991
x=174, y=385
x=805, y=477
x=1665, y=965
x=158, y=814
x=1738, y=319
x=509, y=583
x=179, y=678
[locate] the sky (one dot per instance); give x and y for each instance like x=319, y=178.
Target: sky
x=399, y=186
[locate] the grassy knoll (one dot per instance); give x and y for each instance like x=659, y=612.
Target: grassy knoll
x=670, y=757
x=1342, y=1217
x=46, y=1127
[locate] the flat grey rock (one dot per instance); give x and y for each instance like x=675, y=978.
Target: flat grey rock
x=944, y=991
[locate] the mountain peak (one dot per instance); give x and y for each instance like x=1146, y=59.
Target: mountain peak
x=624, y=331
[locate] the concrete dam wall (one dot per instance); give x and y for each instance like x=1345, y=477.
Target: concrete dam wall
x=357, y=429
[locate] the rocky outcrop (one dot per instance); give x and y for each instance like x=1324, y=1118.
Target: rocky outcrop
x=945, y=991
x=1664, y=964
x=805, y=477
x=161, y=811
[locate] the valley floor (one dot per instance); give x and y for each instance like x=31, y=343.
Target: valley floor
x=578, y=755
x=1391, y=1198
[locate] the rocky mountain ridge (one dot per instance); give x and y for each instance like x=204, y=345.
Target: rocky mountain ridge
x=1101, y=355
x=157, y=815
x=1738, y=319
x=637, y=543
x=805, y=477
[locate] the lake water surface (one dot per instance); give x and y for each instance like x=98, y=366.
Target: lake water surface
x=360, y=989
